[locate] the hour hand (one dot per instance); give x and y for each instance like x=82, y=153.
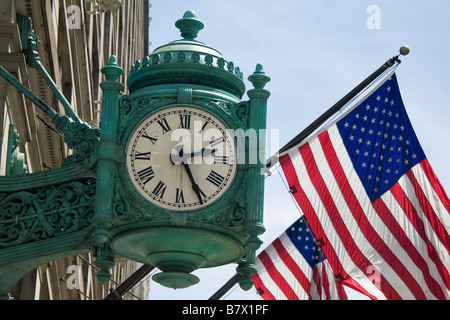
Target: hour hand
x=178, y=156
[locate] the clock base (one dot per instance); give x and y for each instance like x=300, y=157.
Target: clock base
x=178, y=251
x=175, y=280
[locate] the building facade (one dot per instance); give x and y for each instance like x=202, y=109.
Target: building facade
x=75, y=40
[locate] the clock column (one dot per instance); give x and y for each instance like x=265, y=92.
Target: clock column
x=255, y=173
x=108, y=155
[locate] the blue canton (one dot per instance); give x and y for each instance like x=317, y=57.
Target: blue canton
x=303, y=239
x=380, y=140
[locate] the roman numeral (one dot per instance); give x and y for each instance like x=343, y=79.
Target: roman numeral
x=185, y=121
x=159, y=189
x=222, y=159
x=145, y=175
x=142, y=155
x=164, y=125
x=215, y=178
x=179, y=198
x=145, y=135
x=203, y=127
x=217, y=141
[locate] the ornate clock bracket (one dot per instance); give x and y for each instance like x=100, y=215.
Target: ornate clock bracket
x=79, y=136
x=47, y=215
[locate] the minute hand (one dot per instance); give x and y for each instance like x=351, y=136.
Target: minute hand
x=195, y=186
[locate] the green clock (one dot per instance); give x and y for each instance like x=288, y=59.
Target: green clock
x=181, y=158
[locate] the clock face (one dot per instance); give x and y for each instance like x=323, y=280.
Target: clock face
x=181, y=158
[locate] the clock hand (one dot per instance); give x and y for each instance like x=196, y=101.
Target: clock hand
x=177, y=156
x=195, y=186
x=201, y=153
x=175, y=159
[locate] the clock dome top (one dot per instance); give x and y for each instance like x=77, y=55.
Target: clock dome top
x=187, y=61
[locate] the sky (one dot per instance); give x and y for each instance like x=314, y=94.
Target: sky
x=315, y=52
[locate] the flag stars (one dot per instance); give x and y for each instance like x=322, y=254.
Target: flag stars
x=380, y=140
x=304, y=240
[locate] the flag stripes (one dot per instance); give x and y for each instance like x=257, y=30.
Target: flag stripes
x=402, y=235
x=285, y=273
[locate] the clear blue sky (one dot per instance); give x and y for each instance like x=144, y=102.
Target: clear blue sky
x=315, y=52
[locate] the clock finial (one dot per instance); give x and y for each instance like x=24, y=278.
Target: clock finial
x=189, y=25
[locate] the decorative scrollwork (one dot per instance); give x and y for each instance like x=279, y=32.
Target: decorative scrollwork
x=237, y=217
x=45, y=213
x=126, y=104
x=80, y=137
x=121, y=206
x=241, y=111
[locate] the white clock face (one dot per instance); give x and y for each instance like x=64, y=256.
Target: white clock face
x=181, y=158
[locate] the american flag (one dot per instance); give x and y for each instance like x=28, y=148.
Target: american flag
x=294, y=267
x=369, y=193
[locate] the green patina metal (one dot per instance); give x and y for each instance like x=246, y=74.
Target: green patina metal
x=92, y=204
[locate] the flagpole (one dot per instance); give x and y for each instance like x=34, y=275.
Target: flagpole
x=404, y=50
x=226, y=287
